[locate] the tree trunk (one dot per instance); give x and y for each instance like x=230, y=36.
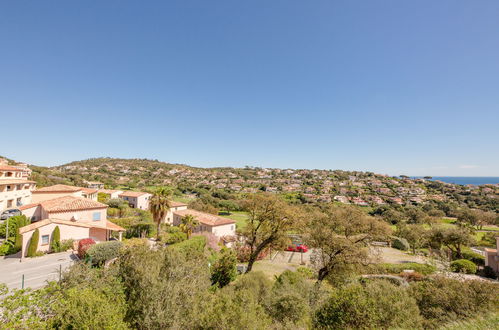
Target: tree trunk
x=254, y=255
x=323, y=272
x=158, y=229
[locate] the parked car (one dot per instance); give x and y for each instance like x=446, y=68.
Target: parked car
x=9, y=213
x=297, y=248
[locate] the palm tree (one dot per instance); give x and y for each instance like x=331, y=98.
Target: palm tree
x=188, y=224
x=159, y=205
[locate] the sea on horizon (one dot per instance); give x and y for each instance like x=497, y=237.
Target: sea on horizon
x=464, y=180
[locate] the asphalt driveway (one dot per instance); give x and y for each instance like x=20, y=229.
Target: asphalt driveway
x=36, y=271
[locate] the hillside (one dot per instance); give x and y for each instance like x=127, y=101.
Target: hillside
x=308, y=186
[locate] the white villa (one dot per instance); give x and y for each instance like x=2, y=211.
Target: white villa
x=15, y=188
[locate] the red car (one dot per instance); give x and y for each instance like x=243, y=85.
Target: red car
x=297, y=248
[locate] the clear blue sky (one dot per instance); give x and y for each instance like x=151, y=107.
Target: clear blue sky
x=397, y=87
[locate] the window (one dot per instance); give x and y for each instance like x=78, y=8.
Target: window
x=9, y=203
x=45, y=239
x=96, y=216
x=232, y=227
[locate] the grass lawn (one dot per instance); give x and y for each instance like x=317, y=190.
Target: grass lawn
x=182, y=199
x=239, y=216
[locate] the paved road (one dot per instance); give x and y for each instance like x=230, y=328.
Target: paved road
x=37, y=271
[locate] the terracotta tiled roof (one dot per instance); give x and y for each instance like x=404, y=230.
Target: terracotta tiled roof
x=113, y=226
x=133, y=193
x=70, y=203
x=177, y=204
x=58, y=188
x=109, y=191
x=490, y=250
x=205, y=218
x=45, y=222
x=14, y=181
x=89, y=190
x=28, y=206
x=9, y=168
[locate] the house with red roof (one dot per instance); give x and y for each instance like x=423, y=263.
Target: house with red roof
x=209, y=223
x=76, y=217
x=136, y=199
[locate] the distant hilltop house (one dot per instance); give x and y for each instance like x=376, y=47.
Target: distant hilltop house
x=95, y=184
x=15, y=188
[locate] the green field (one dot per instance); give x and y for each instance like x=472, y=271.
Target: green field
x=239, y=216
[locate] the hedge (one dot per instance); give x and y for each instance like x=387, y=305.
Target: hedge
x=463, y=266
x=102, y=252
x=424, y=269
x=194, y=244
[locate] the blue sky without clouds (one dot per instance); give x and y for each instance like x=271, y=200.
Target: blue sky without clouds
x=396, y=87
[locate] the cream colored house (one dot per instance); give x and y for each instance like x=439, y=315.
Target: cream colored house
x=95, y=185
x=15, y=189
x=174, y=207
x=136, y=199
x=77, y=218
x=112, y=194
x=59, y=190
x=492, y=257
x=210, y=223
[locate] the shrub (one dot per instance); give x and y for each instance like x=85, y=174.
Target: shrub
x=7, y=248
x=378, y=304
x=411, y=276
x=400, y=244
x=134, y=242
x=488, y=272
x=424, y=269
x=83, y=246
x=224, y=269
x=65, y=245
x=173, y=235
x=306, y=272
x=33, y=243
x=193, y=245
x=56, y=240
x=474, y=257
x=463, y=266
x=102, y=252
x=441, y=299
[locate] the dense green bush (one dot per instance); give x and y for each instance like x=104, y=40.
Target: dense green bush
x=377, y=304
x=442, y=300
x=400, y=244
x=289, y=299
x=33, y=243
x=102, y=252
x=8, y=247
x=424, y=269
x=223, y=270
x=195, y=244
x=474, y=257
x=172, y=235
x=463, y=266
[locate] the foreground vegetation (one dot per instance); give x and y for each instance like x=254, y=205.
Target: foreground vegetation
x=189, y=286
